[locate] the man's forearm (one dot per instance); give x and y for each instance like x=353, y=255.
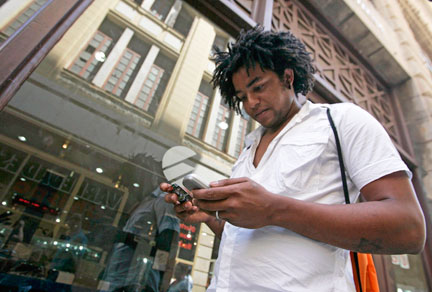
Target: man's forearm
x=367, y=227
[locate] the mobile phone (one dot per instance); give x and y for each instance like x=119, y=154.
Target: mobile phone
x=182, y=195
x=192, y=182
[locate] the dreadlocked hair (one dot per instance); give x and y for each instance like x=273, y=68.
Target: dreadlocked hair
x=275, y=51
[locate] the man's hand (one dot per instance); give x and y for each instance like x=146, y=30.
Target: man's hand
x=187, y=212
x=240, y=201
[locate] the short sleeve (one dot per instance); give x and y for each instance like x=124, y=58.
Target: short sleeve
x=368, y=151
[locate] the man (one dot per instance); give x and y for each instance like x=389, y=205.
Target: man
x=284, y=224
x=140, y=240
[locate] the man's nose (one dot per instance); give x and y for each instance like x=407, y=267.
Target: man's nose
x=253, y=100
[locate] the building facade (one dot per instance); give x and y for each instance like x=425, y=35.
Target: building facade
x=101, y=100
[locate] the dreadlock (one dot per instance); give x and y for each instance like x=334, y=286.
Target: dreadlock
x=275, y=51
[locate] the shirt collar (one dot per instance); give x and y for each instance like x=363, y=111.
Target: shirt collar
x=307, y=109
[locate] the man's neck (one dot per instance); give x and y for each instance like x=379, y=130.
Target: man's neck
x=271, y=133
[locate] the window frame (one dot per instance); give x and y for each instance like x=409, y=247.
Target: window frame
x=120, y=79
x=90, y=60
x=223, y=136
x=203, y=125
x=22, y=52
x=153, y=89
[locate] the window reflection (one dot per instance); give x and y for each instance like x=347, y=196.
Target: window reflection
x=142, y=249
x=99, y=223
x=161, y=8
x=72, y=226
x=80, y=159
x=90, y=60
x=223, y=121
x=245, y=127
x=127, y=66
x=200, y=110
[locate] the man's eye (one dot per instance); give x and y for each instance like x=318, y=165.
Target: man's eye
x=258, y=88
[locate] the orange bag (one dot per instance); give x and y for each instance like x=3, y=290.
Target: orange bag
x=366, y=271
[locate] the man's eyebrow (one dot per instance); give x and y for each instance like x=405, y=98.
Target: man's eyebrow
x=252, y=82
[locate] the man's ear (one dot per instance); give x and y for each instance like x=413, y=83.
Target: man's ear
x=288, y=77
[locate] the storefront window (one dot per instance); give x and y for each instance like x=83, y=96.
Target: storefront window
x=81, y=160
x=77, y=211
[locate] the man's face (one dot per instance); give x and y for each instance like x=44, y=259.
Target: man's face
x=265, y=97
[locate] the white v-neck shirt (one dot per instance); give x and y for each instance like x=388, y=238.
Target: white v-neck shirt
x=301, y=162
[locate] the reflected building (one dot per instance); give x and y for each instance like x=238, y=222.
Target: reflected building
x=84, y=141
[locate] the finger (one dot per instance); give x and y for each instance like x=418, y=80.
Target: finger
x=220, y=215
x=224, y=190
x=185, y=207
x=211, y=194
x=211, y=206
x=228, y=181
x=187, y=216
x=165, y=187
x=171, y=198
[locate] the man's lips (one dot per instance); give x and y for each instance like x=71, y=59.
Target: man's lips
x=260, y=112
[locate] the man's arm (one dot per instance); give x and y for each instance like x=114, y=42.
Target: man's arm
x=389, y=222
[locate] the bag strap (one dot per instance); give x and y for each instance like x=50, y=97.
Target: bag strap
x=344, y=183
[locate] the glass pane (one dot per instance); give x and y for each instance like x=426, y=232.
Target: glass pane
x=161, y=8
x=139, y=103
x=117, y=74
x=118, y=92
x=121, y=67
x=149, y=83
x=81, y=162
x=127, y=55
x=183, y=21
x=91, y=59
x=152, y=77
x=122, y=85
x=129, y=72
x=109, y=87
x=146, y=90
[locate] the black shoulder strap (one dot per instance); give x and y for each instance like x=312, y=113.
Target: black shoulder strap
x=341, y=163
x=344, y=182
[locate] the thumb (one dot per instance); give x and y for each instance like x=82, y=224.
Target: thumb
x=228, y=182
